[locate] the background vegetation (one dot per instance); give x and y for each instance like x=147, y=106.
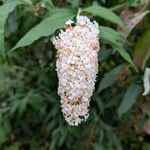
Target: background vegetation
x=30, y=113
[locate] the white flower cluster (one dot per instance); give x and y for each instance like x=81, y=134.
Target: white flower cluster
x=77, y=66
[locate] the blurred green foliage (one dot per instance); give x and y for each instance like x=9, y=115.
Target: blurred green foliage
x=30, y=112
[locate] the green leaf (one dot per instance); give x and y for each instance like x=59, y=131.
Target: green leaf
x=62, y=136
x=4, y=81
x=106, y=126
x=118, y=7
x=142, y=50
x=104, y=13
x=14, y=106
x=115, y=39
x=7, y=126
x=36, y=101
x=47, y=27
x=104, y=54
x=12, y=24
x=50, y=3
x=74, y=3
x=28, y=2
x=5, y=9
x=23, y=105
x=58, y=10
x=99, y=102
x=129, y=98
x=109, y=78
x=124, y=54
x=98, y=146
x=50, y=126
x=3, y=136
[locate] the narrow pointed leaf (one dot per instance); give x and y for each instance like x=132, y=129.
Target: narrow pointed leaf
x=109, y=78
x=5, y=9
x=125, y=55
x=105, y=14
x=115, y=39
x=50, y=3
x=129, y=98
x=47, y=27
